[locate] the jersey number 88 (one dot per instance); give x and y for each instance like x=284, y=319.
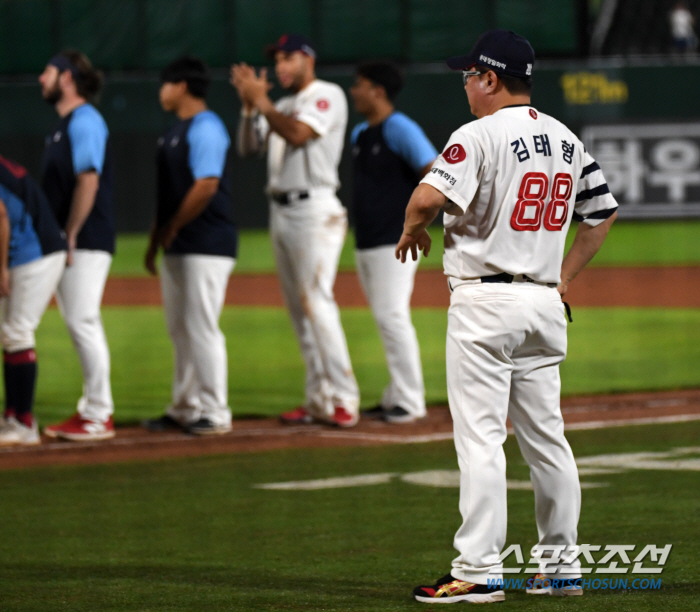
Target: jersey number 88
x=528, y=212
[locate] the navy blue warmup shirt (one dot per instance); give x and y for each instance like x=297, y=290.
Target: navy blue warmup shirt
x=34, y=231
x=80, y=143
x=194, y=149
x=387, y=161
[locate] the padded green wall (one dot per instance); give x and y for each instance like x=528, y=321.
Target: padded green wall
x=147, y=34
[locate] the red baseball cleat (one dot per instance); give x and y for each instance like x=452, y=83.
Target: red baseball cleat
x=342, y=417
x=78, y=428
x=298, y=416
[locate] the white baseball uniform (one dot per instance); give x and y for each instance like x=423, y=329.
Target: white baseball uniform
x=514, y=181
x=307, y=227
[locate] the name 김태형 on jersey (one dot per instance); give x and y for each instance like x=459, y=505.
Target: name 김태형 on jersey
x=541, y=146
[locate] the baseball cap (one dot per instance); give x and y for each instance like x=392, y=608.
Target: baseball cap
x=502, y=51
x=292, y=42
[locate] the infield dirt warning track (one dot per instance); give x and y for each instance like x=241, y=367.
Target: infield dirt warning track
x=256, y=435
x=674, y=286
x=677, y=286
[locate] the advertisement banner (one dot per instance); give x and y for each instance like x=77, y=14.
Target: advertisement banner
x=653, y=170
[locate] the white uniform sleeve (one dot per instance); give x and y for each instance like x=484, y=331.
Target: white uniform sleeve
x=457, y=169
x=322, y=110
x=594, y=202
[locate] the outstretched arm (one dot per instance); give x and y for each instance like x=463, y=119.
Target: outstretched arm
x=423, y=207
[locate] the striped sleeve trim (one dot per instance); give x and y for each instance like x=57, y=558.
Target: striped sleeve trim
x=589, y=169
x=587, y=194
x=600, y=214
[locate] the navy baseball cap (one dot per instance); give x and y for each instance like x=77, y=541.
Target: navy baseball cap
x=502, y=51
x=292, y=42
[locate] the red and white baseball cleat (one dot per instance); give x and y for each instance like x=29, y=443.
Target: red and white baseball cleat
x=80, y=429
x=298, y=416
x=342, y=417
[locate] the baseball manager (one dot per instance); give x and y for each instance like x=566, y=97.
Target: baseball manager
x=512, y=182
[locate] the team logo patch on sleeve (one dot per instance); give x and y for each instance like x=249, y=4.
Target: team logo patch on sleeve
x=454, y=154
x=322, y=104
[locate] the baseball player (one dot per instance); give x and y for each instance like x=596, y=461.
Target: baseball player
x=304, y=134
x=390, y=155
x=77, y=178
x=194, y=227
x=32, y=258
x=511, y=182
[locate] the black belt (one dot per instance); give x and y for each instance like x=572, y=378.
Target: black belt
x=291, y=196
x=504, y=277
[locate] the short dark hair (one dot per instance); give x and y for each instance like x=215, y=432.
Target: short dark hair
x=384, y=74
x=88, y=80
x=192, y=70
x=514, y=85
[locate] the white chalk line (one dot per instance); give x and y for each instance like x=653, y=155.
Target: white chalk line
x=676, y=459
x=428, y=478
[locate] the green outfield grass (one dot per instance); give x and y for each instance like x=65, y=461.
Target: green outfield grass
x=610, y=349
x=630, y=243
x=193, y=534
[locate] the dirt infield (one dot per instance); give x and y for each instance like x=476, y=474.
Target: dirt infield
x=660, y=287
x=677, y=286
x=254, y=435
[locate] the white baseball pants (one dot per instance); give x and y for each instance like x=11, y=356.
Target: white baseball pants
x=194, y=289
x=388, y=285
x=307, y=237
x=504, y=346
x=31, y=287
x=79, y=296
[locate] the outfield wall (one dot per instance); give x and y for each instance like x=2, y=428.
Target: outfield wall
x=653, y=175
x=147, y=34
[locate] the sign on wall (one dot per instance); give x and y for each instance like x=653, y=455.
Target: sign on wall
x=652, y=170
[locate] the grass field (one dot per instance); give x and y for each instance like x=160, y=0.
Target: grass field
x=195, y=535
x=615, y=349
x=629, y=243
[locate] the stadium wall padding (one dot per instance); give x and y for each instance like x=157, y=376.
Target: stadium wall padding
x=147, y=34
